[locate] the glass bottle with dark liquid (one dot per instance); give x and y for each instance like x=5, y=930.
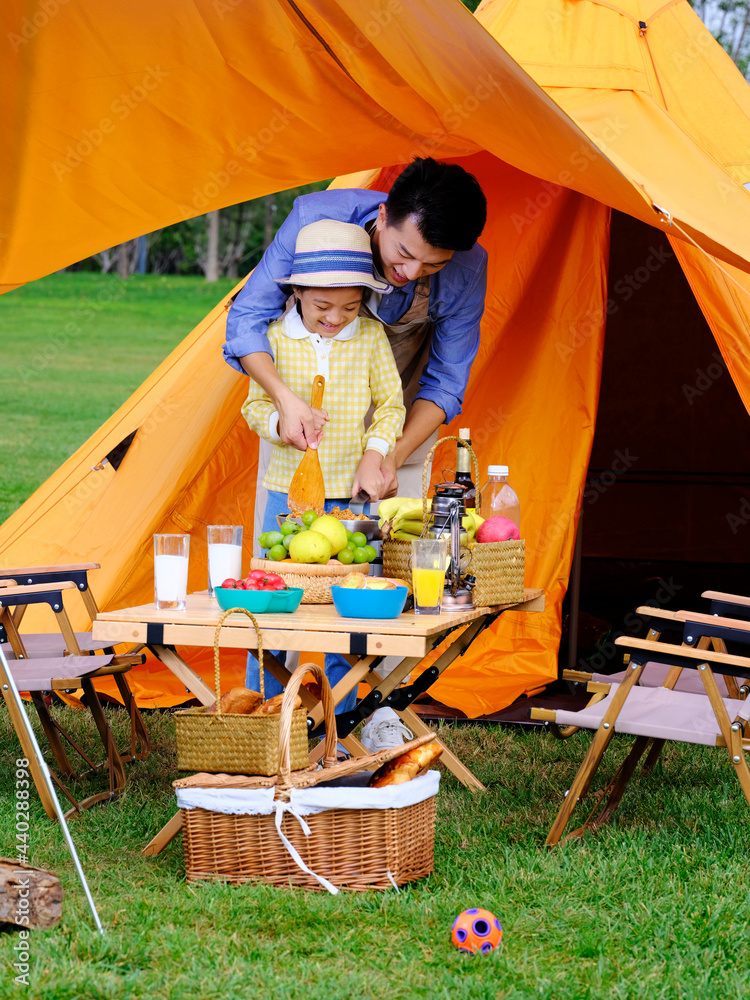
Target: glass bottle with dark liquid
x=463, y=469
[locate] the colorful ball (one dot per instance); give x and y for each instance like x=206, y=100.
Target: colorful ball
x=476, y=931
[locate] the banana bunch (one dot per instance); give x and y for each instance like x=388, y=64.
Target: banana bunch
x=401, y=518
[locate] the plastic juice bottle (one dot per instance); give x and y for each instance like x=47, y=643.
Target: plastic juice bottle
x=499, y=497
x=428, y=586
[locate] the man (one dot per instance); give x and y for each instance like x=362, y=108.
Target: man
x=423, y=237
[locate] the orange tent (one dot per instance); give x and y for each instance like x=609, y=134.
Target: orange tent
x=125, y=120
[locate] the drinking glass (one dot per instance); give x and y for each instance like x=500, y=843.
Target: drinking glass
x=224, y=554
x=171, y=571
x=429, y=562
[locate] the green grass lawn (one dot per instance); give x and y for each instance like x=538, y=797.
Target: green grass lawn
x=74, y=347
x=654, y=906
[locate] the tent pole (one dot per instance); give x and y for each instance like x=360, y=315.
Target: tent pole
x=28, y=737
x=575, y=596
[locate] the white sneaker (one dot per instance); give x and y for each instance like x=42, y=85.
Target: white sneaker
x=384, y=730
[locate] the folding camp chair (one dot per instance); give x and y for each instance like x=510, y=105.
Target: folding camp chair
x=66, y=660
x=660, y=675
x=657, y=714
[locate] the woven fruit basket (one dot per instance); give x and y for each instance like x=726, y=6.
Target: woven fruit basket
x=317, y=829
x=498, y=567
x=232, y=743
x=316, y=580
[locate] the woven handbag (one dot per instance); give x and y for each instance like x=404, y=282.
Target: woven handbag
x=498, y=567
x=349, y=848
x=229, y=743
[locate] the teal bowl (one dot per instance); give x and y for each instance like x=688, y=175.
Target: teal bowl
x=351, y=603
x=259, y=601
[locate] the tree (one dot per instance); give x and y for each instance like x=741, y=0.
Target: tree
x=729, y=23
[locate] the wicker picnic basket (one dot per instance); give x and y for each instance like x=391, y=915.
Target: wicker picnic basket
x=498, y=567
x=221, y=742
x=315, y=579
x=347, y=848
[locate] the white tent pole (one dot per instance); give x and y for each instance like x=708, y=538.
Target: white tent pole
x=9, y=688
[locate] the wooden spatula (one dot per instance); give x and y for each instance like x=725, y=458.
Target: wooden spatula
x=307, y=490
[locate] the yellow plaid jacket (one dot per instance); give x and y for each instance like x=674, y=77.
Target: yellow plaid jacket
x=359, y=370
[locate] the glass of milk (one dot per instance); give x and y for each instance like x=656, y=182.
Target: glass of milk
x=224, y=554
x=171, y=571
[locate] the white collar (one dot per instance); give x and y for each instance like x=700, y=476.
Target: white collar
x=295, y=329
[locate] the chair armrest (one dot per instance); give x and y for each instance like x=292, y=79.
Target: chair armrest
x=41, y=593
x=646, y=611
x=728, y=604
x=576, y=676
x=716, y=595
x=697, y=617
x=37, y=572
x=683, y=656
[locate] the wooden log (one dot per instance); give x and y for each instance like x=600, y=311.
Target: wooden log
x=29, y=897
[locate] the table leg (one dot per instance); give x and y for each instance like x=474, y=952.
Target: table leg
x=464, y=775
x=167, y=833
x=358, y=672
x=192, y=681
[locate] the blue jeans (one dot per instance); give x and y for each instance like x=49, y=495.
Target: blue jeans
x=335, y=664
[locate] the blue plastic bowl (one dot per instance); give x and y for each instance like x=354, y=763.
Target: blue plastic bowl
x=259, y=601
x=351, y=603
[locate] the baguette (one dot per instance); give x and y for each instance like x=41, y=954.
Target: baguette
x=407, y=766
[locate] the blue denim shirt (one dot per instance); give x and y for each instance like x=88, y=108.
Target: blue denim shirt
x=456, y=297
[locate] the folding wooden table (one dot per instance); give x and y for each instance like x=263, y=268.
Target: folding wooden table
x=318, y=628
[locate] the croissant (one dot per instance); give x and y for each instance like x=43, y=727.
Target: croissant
x=238, y=701
x=407, y=766
x=273, y=705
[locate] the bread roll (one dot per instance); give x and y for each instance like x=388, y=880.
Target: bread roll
x=238, y=701
x=273, y=705
x=407, y=766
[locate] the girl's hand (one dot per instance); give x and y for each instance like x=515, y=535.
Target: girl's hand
x=369, y=477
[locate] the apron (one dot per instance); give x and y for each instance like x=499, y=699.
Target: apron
x=410, y=339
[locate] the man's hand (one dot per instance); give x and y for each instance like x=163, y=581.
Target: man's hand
x=368, y=477
x=299, y=425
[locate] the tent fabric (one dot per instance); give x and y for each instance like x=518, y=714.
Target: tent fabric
x=111, y=139
x=560, y=120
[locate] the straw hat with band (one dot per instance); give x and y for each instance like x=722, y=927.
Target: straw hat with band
x=332, y=254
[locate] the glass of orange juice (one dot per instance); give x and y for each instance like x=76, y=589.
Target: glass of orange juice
x=429, y=562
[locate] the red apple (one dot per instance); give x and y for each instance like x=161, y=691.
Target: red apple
x=497, y=529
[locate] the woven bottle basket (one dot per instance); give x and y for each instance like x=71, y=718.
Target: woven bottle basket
x=497, y=566
x=316, y=580
x=232, y=743
x=355, y=849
